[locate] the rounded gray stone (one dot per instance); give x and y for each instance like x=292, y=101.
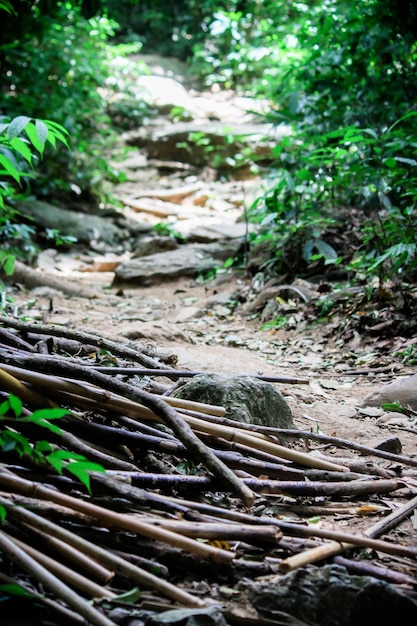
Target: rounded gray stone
x=246, y=399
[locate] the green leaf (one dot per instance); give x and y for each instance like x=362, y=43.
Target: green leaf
x=325, y=249
x=40, y=421
x=17, y=125
x=57, y=458
x=3, y=514
x=9, y=168
x=128, y=597
x=15, y=590
x=81, y=471
x=32, y=133
x=49, y=414
x=390, y=162
x=56, y=131
x=15, y=441
x=6, y=6
x=7, y=262
x=393, y=406
x=411, y=162
x=43, y=446
x=15, y=405
x=22, y=148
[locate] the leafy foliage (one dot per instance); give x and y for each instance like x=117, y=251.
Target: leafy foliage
x=341, y=74
x=22, y=145
x=342, y=188
x=372, y=175
x=55, y=71
x=12, y=415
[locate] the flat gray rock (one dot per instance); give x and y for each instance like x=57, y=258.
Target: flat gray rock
x=85, y=227
x=402, y=390
x=330, y=596
x=187, y=260
x=211, y=143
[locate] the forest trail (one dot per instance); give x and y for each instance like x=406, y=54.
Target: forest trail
x=152, y=276
x=184, y=312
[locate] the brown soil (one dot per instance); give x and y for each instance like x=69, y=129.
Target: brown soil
x=192, y=325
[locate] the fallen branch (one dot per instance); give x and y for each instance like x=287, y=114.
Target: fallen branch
x=111, y=518
x=13, y=552
x=29, y=518
x=331, y=549
x=116, y=348
x=355, y=488
x=158, y=406
x=137, y=371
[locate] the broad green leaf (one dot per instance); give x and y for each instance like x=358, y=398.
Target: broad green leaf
x=57, y=458
x=304, y=174
x=56, y=131
x=49, y=414
x=32, y=133
x=7, y=6
x=9, y=168
x=390, y=162
x=15, y=405
x=411, y=162
x=15, y=590
x=42, y=447
x=7, y=262
x=55, y=126
x=81, y=471
x=128, y=597
x=17, y=125
x=44, y=424
x=325, y=249
x=370, y=131
x=393, y=406
x=15, y=441
x=22, y=148
x=52, y=140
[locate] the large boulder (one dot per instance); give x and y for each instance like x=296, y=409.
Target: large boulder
x=246, y=399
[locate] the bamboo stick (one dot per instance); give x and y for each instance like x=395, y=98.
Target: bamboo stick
x=120, y=565
x=333, y=548
x=64, y=613
x=81, y=560
x=64, y=573
x=111, y=518
x=15, y=554
x=165, y=412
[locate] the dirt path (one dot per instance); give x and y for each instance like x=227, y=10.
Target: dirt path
x=197, y=320
x=201, y=325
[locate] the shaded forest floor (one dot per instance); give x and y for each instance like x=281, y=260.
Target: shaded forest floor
x=201, y=324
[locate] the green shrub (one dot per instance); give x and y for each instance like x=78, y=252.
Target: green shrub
x=22, y=145
x=321, y=182
x=56, y=71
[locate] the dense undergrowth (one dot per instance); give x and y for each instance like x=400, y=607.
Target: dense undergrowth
x=342, y=188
